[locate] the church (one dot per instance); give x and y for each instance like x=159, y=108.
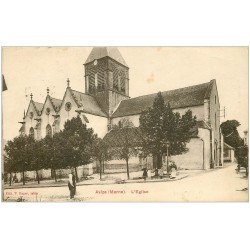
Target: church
x=106, y=102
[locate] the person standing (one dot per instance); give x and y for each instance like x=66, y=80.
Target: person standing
x=72, y=185
x=149, y=174
x=145, y=173
x=160, y=172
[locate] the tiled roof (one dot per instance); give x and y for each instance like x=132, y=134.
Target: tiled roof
x=100, y=52
x=87, y=103
x=38, y=107
x=56, y=103
x=178, y=98
x=118, y=137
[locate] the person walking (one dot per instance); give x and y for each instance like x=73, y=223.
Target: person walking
x=72, y=185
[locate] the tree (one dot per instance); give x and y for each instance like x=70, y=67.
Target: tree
x=165, y=131
x=232, y=138
x=78, y=143
x=19, y=155
x=8, y=169
x=231, y=134
x=100, y=153
x=125, y=143
x=241, y=154
x=53, y=153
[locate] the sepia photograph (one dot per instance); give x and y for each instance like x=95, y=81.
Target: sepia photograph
x=125, y=124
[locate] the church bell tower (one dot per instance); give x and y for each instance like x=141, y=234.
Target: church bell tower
x=107, y=77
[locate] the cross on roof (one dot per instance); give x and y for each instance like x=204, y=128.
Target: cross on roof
x=68, y=81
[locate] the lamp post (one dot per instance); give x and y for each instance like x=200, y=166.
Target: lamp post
x=167, y=144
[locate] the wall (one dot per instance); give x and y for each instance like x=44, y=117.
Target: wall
x=60, y=173
x=214, y=120
x=196, y=110
x=47, y=119
x=197, y=157
x=64, y=114
x=193, y=159
x=133, y=118
x=204, y=134
x=28, y=121
x=98, y=123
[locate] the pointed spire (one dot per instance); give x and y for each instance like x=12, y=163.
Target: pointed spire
x=31, y=96
x=68, y=82
x=24, y=114
x=100, y=52
x=47, y=90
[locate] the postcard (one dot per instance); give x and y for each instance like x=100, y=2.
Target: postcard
x=124, y=124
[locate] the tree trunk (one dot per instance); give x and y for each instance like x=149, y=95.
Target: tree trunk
x=54, y=172
x=77, y=179
x=155, y=165
x=100, y=167
x=103, y=167
x=10, y=178
x=37, y=177
x=167, y=160
x=159, y=161
x=23, y=178
x=127, y=168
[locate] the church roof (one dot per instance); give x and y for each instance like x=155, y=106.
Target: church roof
x=38, y=107
x=121, y=136
x=87, y=103
x=100, y=52
x=178, y=98
x=56, y=103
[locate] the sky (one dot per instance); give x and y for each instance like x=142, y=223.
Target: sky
x=152, y=69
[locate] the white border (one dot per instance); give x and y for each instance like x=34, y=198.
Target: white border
x=118, y=225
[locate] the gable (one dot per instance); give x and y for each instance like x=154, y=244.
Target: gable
x=48, y=104
x=34, y=107
x=87, y=103
x=68, y=97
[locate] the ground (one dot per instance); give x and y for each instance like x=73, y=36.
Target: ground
x=222, y=184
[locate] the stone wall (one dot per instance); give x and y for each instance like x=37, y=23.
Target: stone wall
x=45, y=174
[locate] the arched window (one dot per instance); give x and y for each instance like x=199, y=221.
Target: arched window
x=48, y=131
x=32, y=132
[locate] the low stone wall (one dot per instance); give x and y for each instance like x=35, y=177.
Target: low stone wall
x=44, y=174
